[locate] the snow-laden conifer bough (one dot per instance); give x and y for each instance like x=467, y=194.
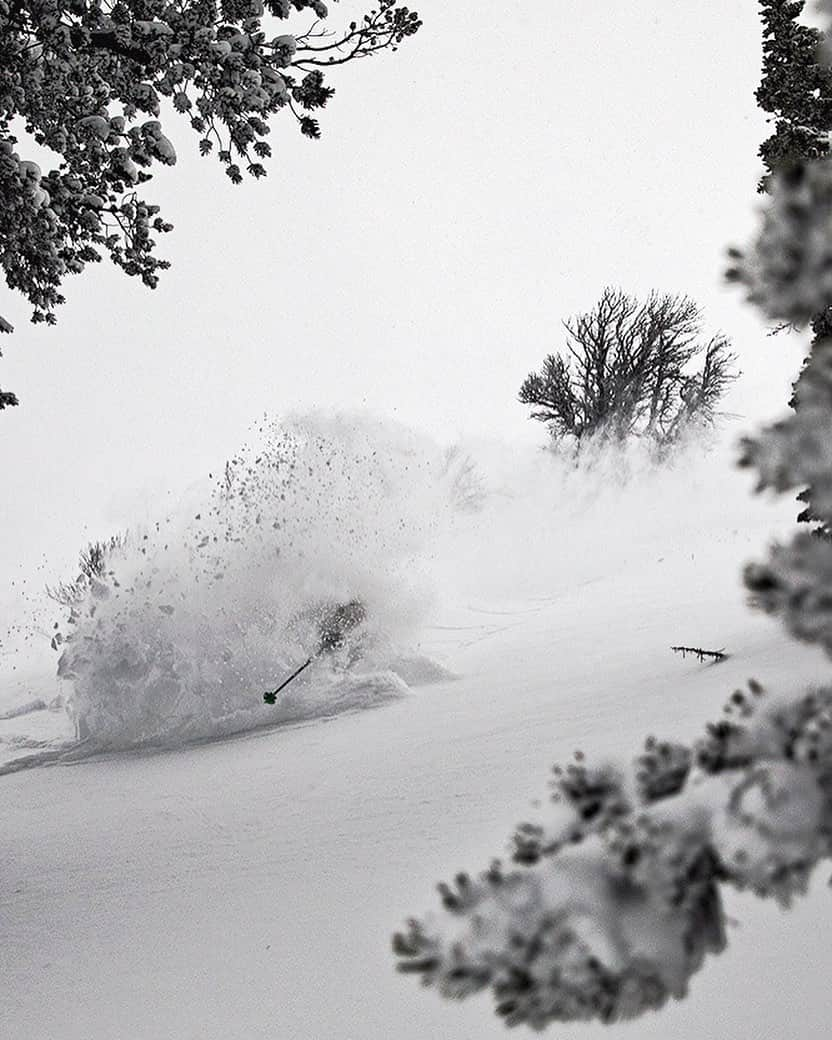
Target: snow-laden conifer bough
x=334, y=623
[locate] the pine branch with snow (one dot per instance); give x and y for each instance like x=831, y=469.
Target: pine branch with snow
x=613, y=899
x=89, y=82
x=786, y=270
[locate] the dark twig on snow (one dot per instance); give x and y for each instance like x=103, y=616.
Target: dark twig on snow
x=699, y=653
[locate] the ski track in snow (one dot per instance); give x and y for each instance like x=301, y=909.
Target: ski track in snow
x=247, y=888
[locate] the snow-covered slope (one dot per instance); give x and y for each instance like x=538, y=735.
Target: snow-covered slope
x=248, y=887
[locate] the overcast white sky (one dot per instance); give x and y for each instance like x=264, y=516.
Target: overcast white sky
x=469, y=193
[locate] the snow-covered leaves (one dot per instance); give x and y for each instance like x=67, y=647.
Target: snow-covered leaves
x=88, y=82
x=787, y=270
x=797, y=450
x=613, y=899
x=795, y=582
x=795, y=89
x=7, y=399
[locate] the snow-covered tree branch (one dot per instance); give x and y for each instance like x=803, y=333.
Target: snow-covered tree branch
x=87, y=79
x=613, y=898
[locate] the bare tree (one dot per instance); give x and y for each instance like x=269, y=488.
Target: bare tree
x=630, y=370
x=92, y=567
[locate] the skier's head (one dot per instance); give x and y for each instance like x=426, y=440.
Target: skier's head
x=336, y=621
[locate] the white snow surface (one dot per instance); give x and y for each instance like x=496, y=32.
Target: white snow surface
x=247, y=887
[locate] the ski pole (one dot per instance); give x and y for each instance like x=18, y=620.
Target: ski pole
x=270, y=696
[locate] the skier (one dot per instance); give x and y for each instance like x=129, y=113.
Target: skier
x=334, y=623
